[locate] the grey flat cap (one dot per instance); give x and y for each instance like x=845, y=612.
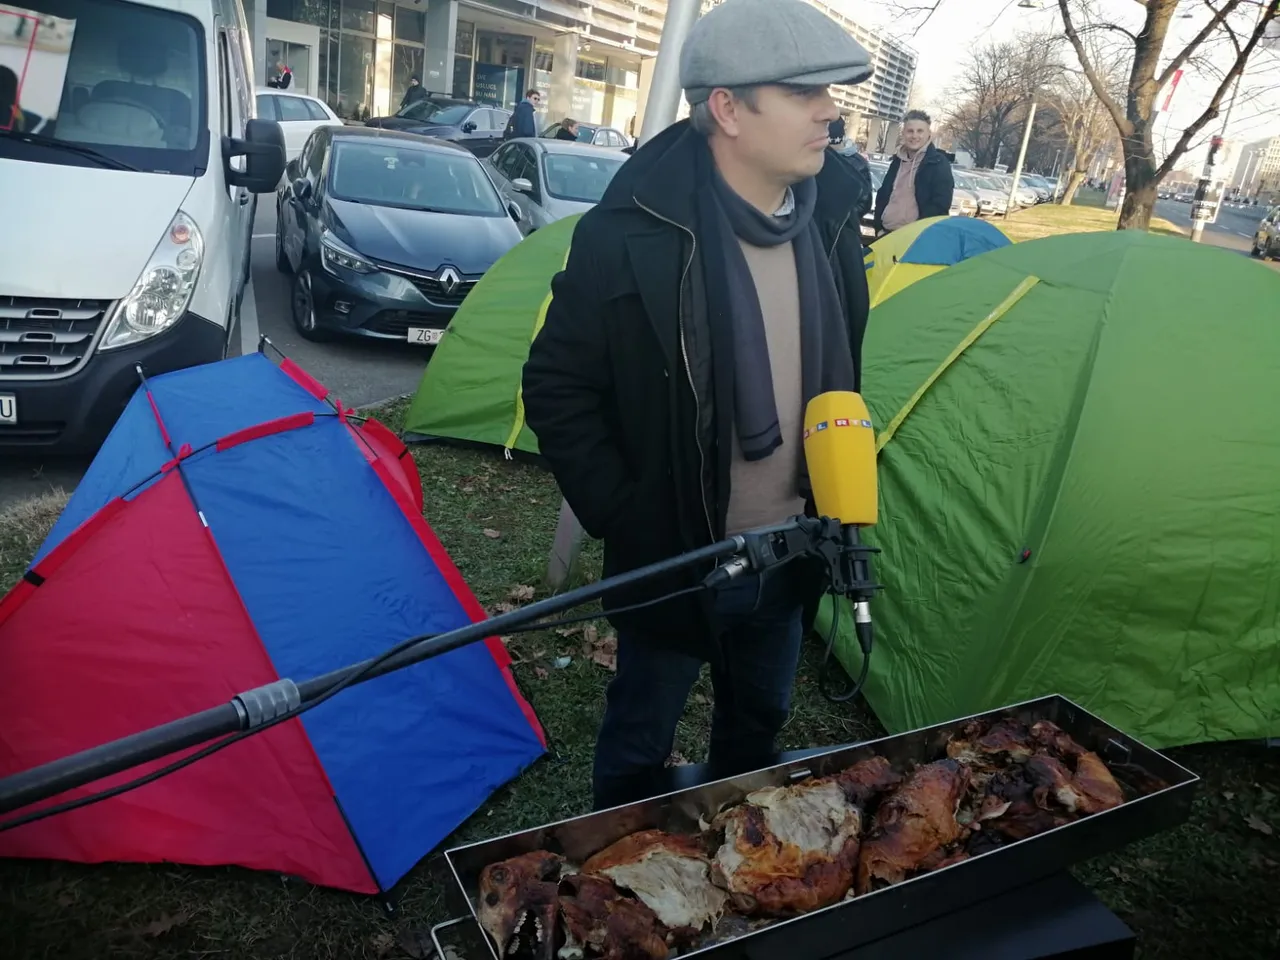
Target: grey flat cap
x=748, y=42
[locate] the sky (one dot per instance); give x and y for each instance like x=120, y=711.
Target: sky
x=960, y=24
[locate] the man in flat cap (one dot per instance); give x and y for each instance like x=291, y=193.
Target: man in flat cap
x=716, y=288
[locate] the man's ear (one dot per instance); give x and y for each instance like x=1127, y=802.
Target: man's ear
x=725, y=109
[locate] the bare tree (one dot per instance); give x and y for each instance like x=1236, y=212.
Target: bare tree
x=989, y=99
x=1233, y=31
x=1087, y=126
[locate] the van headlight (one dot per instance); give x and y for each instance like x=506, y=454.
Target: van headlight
x=164, y=289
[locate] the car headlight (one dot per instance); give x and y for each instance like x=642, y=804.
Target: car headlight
x=160, y=297
x=335, y=253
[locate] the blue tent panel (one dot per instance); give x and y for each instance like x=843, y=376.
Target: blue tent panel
x=949, y=241
x=331, y=573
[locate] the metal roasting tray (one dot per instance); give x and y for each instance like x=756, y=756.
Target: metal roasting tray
x=851, y=923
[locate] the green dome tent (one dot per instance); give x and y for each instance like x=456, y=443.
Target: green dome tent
x=471, y=388
x=1079, y=478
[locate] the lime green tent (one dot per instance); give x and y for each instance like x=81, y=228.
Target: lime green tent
x=1079, y=478
x=471, y=389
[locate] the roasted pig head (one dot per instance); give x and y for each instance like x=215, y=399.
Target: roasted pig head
x=518, y=904
x=670, y=874
x=599, y=919
x=913, y=826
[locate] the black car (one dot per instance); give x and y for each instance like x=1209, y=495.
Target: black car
x=385, y=233
x=476, y=126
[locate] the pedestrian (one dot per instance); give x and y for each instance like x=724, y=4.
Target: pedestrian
x=283, y=78
x=414, y=93
x=567, y=130
x=918, y=183
x=716, y=287
x=845, y=151
x=523, y=122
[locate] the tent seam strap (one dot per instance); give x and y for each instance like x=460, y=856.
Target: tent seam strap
x=982, y=327
x=518, y=424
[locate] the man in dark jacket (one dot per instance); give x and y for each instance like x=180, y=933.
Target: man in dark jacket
x=524, y=119
x=414, y=93
x=714, y=290
x=918, y=183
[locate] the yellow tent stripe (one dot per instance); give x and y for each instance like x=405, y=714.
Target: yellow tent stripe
x=1005, y=305
x=537, y=325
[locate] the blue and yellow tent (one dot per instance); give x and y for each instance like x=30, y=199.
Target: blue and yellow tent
x=921, y=249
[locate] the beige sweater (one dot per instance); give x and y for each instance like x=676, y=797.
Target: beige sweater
x=768, y=491
x=902, y=208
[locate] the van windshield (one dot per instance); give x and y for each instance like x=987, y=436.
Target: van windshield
x=125, y=80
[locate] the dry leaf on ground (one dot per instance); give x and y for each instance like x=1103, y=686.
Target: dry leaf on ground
x=520, y=593
x=382, y=944
x=416, y=944
x=604, y=651
x=504, y=607
x=491, y=533
x=540, y=672
x=569, y=631
x=1255, y=822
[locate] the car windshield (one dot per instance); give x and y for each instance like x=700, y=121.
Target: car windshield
x=390, y=174
x=878, y=172
x=123, y=80
x=580, y=178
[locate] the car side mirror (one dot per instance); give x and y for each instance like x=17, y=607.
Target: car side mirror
x=469, y=127
x=302, y=188
x=513, y=208
x=522, y=184
x=263, y=150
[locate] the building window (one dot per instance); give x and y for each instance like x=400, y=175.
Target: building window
x=464, y=44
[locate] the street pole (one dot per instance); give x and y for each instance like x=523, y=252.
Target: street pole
x=1022, y=158
x=664, y=90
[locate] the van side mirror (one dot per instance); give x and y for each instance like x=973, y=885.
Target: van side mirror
x=263, y=150
x=302, y=188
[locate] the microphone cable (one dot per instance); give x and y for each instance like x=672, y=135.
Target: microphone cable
x=824, y=671
x=210, y=749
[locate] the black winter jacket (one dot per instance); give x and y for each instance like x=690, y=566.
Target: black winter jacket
x=934, y=185
x=620, y=384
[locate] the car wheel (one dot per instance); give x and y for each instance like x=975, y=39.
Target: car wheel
x=1254, y=251
x=303, y=306
x=282, y=261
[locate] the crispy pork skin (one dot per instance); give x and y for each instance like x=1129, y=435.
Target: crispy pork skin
x=671, y=874
x=518, y=904
x=600, y=922
x=912, y=825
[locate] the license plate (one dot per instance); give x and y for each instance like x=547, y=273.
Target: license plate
x=8, y=408
x=425, y=335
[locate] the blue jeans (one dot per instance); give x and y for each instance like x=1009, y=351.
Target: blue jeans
x=760, y=635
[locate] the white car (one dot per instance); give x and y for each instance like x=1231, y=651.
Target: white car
x=297, y=114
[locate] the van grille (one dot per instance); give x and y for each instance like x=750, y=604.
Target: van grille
x=45, y=337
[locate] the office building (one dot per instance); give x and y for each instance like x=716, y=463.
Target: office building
x=1258, y=169
x=588, y=57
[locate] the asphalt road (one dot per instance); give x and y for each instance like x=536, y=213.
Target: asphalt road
x=357, y=372
x=1233, y=231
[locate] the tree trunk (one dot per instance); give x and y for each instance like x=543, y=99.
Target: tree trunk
x=1139, y=184
x=1073, y=185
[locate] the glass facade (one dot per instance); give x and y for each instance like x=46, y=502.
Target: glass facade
x=368, y=51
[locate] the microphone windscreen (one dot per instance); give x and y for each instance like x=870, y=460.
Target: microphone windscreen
x=840, y=450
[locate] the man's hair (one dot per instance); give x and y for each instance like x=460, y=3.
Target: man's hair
x=917, y=115
x=532, y=92
x=703, y=120
x=568, y=122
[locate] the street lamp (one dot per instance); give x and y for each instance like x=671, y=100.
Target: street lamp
x=663, y=102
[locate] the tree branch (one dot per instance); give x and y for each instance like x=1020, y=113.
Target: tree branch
x=1176, y=63
x=1100, y=88
x=1269, y=14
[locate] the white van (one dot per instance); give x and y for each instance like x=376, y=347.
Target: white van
x=125, y=221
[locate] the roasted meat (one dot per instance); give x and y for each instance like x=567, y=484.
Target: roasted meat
x=518, y=904
x=671, y=874
x=914, y=827
x=600, y=922
x=1091, y=789
x=793, y=849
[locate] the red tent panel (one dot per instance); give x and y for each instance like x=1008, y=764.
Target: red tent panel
x=149, y=587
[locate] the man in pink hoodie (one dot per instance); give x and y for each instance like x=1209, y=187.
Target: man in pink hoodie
x=918, y=183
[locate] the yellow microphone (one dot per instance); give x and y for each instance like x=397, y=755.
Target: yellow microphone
x=840, y=450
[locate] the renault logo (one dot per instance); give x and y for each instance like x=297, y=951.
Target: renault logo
x=449, y=280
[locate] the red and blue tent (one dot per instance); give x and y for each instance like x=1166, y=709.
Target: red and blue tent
x=236, y=528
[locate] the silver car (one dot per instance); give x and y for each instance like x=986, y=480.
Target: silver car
x=552, y=179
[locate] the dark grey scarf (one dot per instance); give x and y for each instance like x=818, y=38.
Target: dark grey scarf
x=826, y=356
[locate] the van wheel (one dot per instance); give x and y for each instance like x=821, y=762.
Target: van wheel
x=282, y=261
x=303, y=305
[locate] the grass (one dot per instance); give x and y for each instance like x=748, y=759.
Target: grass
x=1087, y=213
x=1215, y=880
